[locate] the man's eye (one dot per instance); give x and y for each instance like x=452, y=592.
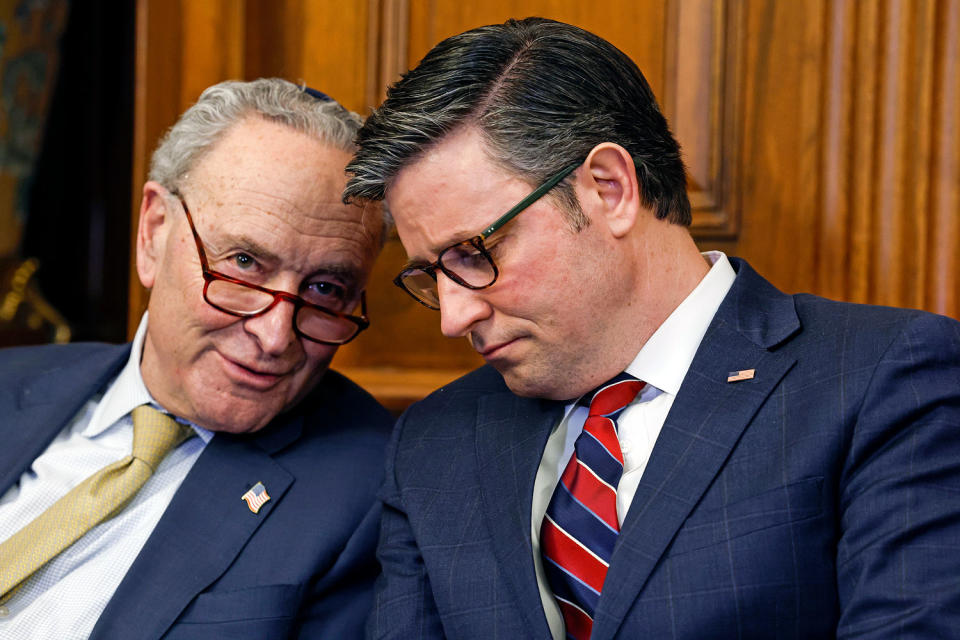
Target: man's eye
x=465, y=258
x=325, y=294
x=244, y=261
x=473, y=261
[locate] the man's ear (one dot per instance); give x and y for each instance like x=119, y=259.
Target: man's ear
x=152, y=231
x=610, y=178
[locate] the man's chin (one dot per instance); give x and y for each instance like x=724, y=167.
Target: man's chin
x=528, y=385
x=244, y=410
x=520, y=383
x=243, y=416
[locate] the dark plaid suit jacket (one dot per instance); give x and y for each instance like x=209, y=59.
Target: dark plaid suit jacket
x=819, y=499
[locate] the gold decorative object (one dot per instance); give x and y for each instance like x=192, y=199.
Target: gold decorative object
x=25, y=316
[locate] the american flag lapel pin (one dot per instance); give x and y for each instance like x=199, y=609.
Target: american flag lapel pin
x=256, y=497
x=737, y=376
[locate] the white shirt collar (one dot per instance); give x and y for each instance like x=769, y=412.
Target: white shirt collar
x=665, y=358
x=127, y=392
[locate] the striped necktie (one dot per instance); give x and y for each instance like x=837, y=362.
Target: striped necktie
x=581, y=526
x=98, y=498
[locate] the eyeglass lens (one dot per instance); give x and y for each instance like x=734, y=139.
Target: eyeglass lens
x=463, y=262
x=469, y=263
x=312, y=322
x=422, y=286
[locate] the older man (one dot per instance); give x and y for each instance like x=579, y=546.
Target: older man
x=662, y=444
x=212, y=479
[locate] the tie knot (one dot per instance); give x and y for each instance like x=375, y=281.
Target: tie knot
x=155, y=434
x=615, y=394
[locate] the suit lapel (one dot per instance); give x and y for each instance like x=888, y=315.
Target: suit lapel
x=40, y=408
x=698, y=436
x=511, y=435
x=202, y=531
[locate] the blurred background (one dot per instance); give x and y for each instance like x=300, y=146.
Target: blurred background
x=822, y=139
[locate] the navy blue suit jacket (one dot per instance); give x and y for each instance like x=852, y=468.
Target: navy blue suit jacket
x=301, y=567
x=819, y=499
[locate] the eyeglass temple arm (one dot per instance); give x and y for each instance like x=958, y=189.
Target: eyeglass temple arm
x=193, y=230
x=529, y=200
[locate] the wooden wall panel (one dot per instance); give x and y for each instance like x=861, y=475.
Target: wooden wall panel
x=213, y=43
x=779, y=156
x=850, y=167
x=901, y=174
x=942, y=286
x=822, y=137
x=701, y=99
x=304, y=41
x=637, y=27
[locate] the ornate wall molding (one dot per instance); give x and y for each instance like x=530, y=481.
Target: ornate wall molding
x=702, y=78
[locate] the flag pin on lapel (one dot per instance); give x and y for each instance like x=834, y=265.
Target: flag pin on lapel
x=256, y=497
x=737, y=376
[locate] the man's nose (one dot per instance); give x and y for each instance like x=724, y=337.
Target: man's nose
x=274, y=329
x=460, y=307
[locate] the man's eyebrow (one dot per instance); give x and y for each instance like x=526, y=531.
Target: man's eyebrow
x=345, y=273
x=413, y=262
x=246, y=244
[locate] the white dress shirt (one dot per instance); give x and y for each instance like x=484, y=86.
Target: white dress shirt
x=64, y=599
x=662, y=363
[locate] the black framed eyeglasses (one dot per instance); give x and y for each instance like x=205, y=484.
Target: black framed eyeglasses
x=247, y=300
x=468, y=263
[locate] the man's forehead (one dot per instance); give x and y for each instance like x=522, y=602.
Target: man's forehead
x=266, y=220
x=267, y=177
x=448, y=192
x=464, y=145
x=343, y=257
x=284, y=234
x=244, y=177
x=255, y=148
x=302, y=209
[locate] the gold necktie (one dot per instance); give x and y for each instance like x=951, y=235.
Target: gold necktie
x=98, y=498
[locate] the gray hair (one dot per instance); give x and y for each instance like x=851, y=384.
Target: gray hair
x=224, y=104
x=542, y=94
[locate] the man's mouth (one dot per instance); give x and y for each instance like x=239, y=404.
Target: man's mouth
x=252, y=375
x=491, y=350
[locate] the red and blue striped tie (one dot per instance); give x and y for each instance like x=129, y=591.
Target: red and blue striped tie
x=581, y=526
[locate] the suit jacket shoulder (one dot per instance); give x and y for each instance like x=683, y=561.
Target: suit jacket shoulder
x=41, y=389
x=301, y=566
x=80, y=360
x=815, y=499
